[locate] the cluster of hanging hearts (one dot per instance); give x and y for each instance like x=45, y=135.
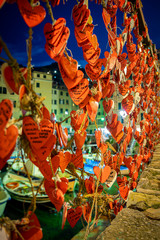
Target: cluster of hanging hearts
x=42, y=135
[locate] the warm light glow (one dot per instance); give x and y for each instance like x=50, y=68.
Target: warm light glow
x=123, y=114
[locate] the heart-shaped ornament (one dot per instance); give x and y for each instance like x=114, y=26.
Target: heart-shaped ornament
x=86, y=211
x=92, y=40
x=124, y=192
x=70, y=66
x=55, y=162
x=62, y=184
x=45, y=113
x=73, y=215
x=65, y=159
x=13, y=81
x=92, y=108
x=77, y=119
x=108, y=106
x=55, y=195
x=45, y=169
x=6, y=108
x=77, y=158
x=37, y=135
x=32, y=230
x=32, y=15
x=90, y=185
x=80, y=91
x=2, y=2
x=53, y=33
x=44, y=151
x=8, y=141
x=105, y=172
x=79, y=138
x=98, y=135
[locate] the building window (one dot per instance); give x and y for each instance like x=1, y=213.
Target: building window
x=4, y=90
x=67, y=121
x=60, y=101
x=63, y=101
x=0, y=89
x=55, y=92
x=141, y=116
x=66, y=94
x=44, y=76
x=55, y=111
x=39, y=94
x=66, y=111
x=99, y=113
x=122, y=120
x=14, y=104
x=90, y=131
x=38, y=75
x=37, y=84
x=99, y=106
x=55, y=101
x=60, y=119
x=12, y=93
x=61, y=93
x=119, y=106
x=61, y=110
x=67, y=101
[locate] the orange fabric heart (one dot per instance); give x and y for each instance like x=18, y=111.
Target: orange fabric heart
x=77, y=119
x=73, y=215
x=62, y=184
x=45, y=113
x=92, y=108
x=6, y=108
x=105, y=172
x=31, y=15
x=13, y=81
x=86, y=211
x=80, y=91
x=127, y=103
x=70, y=66
x=53, y=33
x=44, y=151
x=90, y=185
x=55, y=162
x=98, y=136
x=92, y=39
x=55, y=195
x=37, y=136
x=65, y=159
x=80, y=138
x=8, y=140
x=107, y=106
x=77, y=159
x=70, y=83
x=106, y=17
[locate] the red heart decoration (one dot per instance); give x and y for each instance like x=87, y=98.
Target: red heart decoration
x=2, y=2
x=44, y=151
x=90, y=185
x=62, y=184
x=127, y=161
x=106, y=17
x=31, y=15
x=55, y=162
x=86, y=211
x=91, y=74
x=92, y=108
x=37, y=136
x=103, y=148
x=92, y=40
x=65, y=158
x=77, y=119
x=124, y=192
x=70, y=66
x=81, y=37
x=79, y=92
x=98, y=136
x=70, y=83
x=3, y=161
x=73, y=215
x=13, y=82
x=105, y=172
x=55, y=195
x=108, y=106
x=45, y=169
x=45, y=113
x=124, y=87
x=53, y=33
x=80, y=138
x=8, y=141
x=127, y=103
x=6, y=108
x=32, y=230
x=77, y=159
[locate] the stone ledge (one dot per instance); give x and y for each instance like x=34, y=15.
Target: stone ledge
x=131, y=224
x=142, y=201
